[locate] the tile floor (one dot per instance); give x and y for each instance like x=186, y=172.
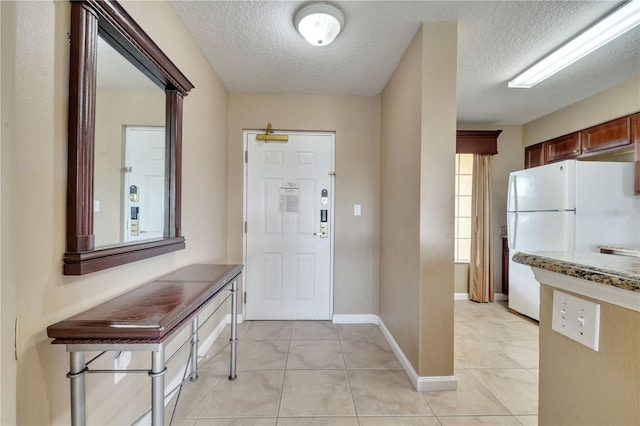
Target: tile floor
x=318, y=373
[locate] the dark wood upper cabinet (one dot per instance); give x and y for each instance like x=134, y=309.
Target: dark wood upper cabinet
x=612, y=134
x=106, y=19
x=534, y=156
x=613, y=137
x=562, y=148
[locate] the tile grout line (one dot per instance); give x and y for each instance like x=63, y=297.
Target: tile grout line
x=508, y=413
x=489, y=390
x=346, y=372
x=284, y=373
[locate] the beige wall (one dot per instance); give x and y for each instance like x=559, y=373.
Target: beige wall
x=356, y=121
x=438, y=147
x=7, y=258
x=461, y=278
x=400, y=186
x=579, y=386
x=417, y=172
x=620, y=100
x=38, y=159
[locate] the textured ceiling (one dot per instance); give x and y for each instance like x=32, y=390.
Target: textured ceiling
x=253, y=47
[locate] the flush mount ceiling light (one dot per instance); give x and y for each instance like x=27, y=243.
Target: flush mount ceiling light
x=617, y=23
x=319, y=23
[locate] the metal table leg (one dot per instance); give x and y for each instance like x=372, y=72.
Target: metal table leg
x=76, y=376
x=194, y=350
x=157, y=387
x=234, y=329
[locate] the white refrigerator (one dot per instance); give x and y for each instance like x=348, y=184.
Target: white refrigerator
x=566, y=206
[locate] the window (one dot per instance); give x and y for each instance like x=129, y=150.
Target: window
x=463, y=190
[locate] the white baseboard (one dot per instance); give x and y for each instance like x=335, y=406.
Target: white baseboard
x=437, y=383
x=465, y=296
x=202, y=350
x=421, y=383
x=240, y=318
x=355, y=319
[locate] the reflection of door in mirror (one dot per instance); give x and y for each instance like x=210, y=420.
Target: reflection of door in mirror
x=124, y=97
x=143, y=214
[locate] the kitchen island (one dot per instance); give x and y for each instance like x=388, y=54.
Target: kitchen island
x=578, y=385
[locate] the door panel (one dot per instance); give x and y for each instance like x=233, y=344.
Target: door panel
x=530, y=232
x=306, y=276
x=272, y=267
x=288, y=272
x=541, y=231
x=548, y=187
x=524, y=290
x=272, y=218
x=308, y=192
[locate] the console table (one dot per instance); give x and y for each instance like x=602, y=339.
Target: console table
x=146, y=319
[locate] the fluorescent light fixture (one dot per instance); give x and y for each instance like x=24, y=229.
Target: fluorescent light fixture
x=614, y=25
x=319, y=23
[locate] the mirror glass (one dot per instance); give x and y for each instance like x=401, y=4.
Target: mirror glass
x=129, y=184
x=129, y=153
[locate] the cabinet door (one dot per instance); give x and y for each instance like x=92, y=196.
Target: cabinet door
x=563, y=148
x=612, y=134
x=534, y=155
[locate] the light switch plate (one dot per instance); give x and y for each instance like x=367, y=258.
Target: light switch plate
x=576, y=318
x=357, y=210
x=121, y=362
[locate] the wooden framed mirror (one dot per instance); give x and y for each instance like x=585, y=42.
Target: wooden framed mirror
x=102, y=23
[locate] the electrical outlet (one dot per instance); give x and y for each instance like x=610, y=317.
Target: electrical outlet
x=576, y=318
x=120, y=362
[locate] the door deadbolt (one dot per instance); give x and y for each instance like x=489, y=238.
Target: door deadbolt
x=324, y=197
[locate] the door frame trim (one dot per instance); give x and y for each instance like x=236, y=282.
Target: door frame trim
x=332, y=198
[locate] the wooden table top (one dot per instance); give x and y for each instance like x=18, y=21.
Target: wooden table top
x=151, y=311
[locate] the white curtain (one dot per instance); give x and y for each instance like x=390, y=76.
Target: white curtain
x=481, y=263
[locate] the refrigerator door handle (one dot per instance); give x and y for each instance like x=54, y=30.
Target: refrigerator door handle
x=512, y=229
x=513, y=209
x=511, y=194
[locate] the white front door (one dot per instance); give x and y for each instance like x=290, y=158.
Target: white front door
x=144, y=183
x=289, y=238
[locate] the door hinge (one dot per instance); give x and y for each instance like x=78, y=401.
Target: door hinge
x=246, y=156
x=245, y=226
x=244, y=297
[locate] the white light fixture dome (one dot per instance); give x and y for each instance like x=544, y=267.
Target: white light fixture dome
x=319, y=23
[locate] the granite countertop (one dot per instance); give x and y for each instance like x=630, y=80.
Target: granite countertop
x=608, y=269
